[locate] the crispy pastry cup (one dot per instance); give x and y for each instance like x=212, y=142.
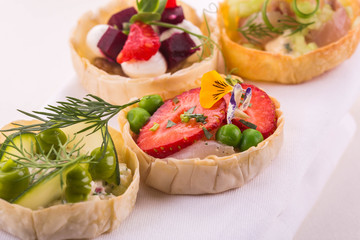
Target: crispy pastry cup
x=118, y=89
x=212, y=174
x=79, y=220
x=265, y=66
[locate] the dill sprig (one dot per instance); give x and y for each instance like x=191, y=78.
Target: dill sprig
x=91, y=110
x=253, y=31
x=56, y=160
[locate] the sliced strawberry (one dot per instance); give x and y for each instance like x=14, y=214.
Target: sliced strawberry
x=141, y=44
x=261, y=112
x=166, y=141
x=171, y=4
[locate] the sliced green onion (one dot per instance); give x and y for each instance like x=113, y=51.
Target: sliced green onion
x=266, y=19
x=304, y=15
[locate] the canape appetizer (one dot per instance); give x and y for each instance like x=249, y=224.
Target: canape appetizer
x=205, y=140
x=132, y=48
x=65, y=175
x=291, y=41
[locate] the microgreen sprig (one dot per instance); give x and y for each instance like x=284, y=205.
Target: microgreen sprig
x=149, y=12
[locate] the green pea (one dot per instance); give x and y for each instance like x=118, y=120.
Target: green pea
x=51, y=138
x=14, y=179
x=229, y=134
x=137, y=117
x=250, y=138
x=151, y=103
x=78, y=185
x=103, y=165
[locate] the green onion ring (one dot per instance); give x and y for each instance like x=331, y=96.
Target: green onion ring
x=266, y=19
x=305, y=15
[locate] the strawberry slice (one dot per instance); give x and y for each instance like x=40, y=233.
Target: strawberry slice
x=261, y=112
x=171, y=4
x=141, y=44
x=167, y=140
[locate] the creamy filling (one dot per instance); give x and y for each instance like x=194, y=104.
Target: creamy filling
x=153, y=67
x=101, y=190
x=202, y=149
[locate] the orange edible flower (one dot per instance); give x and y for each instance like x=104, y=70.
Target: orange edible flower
x=213, y=88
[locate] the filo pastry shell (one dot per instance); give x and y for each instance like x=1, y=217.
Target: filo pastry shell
x=265, y=66
x=212, y=174
x=79, y=220
x=118, y=89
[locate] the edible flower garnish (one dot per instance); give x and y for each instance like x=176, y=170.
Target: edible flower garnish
x=214, y=87
x=235, y=100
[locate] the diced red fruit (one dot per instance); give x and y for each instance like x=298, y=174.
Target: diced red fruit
x=177, y=48
x=112, y=42
x=261, y=111
x=166, y=141
x=171, y=4
x=173, y=15
x=141, y=44
x=122, y=17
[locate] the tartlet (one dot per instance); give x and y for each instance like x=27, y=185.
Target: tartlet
x=282, y=68
x=77, y=220
x=212, y=174
x=119, y=89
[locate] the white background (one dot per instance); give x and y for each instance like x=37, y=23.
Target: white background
x=35, y=65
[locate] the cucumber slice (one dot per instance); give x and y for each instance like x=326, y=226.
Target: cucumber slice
x=44, y=191
x=49, y=188
x=25, y=141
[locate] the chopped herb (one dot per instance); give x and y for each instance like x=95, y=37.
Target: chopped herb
x=155, y=127
x=198, y=117
x=288, y=47
x=232, y=81
x=208, y=135
x=191, y=110
x=170, y=124
x=175, y=108
x=248, y=124
x=175, y=100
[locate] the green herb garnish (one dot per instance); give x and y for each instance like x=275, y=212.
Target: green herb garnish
x=191, y=110
x=208, y=135
x=175, y=108
x=248, y=124
x=185, y=117
x=253, y=31
x=57, y=159
x=154, y=127
x=170, y=124
x=91, y=110
x=175, y=100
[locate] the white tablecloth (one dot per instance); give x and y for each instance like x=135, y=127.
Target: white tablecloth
x=317, y=131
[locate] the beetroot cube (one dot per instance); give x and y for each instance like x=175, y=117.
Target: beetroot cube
x=112, y=42
x=173, y=15
x=121, y=17
x=177, y=48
